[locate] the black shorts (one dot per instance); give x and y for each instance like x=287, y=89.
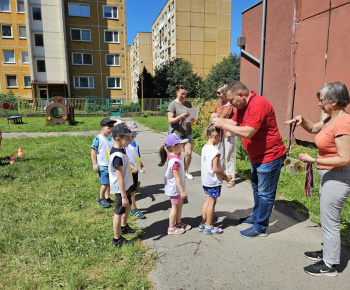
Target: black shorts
x=119, y=209
x=135, y=179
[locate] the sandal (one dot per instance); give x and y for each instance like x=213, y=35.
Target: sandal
x=183, y=226
x=212, y=230
x=231, y=183
x=137, y=213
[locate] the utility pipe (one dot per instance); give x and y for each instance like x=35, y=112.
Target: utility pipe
x=262, y=48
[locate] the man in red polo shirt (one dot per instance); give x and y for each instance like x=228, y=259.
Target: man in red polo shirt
x=255, y=122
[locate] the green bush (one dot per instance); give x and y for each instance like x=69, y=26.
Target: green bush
x=133, y=107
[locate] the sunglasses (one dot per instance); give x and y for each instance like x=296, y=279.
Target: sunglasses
x=218, y=93
x=183, y=88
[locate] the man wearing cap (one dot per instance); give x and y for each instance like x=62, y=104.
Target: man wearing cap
x=255, y=122
x=100, y=149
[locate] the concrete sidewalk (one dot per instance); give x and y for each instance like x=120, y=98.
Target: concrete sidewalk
x=228, y=261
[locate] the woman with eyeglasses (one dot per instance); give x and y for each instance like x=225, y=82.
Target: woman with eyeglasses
x=228, y=143
x=332, y=162
x=177, y=115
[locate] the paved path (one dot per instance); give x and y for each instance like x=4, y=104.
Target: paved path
x=228, y=261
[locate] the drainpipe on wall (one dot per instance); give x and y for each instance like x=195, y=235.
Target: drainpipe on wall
x=241, y=43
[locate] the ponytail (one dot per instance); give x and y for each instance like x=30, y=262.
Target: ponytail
x=163, y=154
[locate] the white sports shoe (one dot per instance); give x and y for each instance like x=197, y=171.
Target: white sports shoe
x=189, y=176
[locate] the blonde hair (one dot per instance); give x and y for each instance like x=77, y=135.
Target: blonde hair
x=209, y=131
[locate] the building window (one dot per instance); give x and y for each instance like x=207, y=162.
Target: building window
x=36, y=12
x=82, y=58
x=172, y=33
x=110, y=12
x=173, y=47
x=173, y=19
x=83, y=82
x=9, y=56
x=113, y=83
x=40, y=65
x=172, y=5
x=11, y=81
x=80, y=35
x=22, y=33
x=20, y=6
x=5, y=6
x=6, y=31
x=111, y=36
x=24, y=57
x=38, y=39
x=79, y=10
x=112, y=60
x=26, y=81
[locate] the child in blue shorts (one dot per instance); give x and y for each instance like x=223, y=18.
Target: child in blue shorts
x=212, y=176
x=100, y=149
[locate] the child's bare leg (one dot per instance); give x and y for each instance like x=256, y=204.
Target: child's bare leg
x=179, y=211
x=210, y=210
x=124, y=220
x=172, y=214
x=133, y=199
x=107, y=192
x=204, y=209
x=117, y=225
x=103, y=190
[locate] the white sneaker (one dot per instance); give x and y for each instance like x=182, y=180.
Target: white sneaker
x=189, y=176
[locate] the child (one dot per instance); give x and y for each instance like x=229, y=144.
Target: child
x=120, y=179
x=175, y=185
x=212, y=176
x=100, y=148
x=133, y=153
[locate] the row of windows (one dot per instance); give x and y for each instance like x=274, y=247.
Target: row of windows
x=74, y=9
x=88, y=82
x=5, y=6
x=11, y=81
x=83, y=10
x=78, y=81
x=77, y=59
x=77, y=34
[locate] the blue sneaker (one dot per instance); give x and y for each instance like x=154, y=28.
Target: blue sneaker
x=247, y=220
x=103, y=202
x=201, y=227
x=252, y=233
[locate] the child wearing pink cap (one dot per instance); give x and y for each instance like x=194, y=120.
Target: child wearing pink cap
x=175, y=184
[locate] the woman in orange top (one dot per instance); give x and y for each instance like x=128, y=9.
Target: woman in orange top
x=332, y=162
x=228, y=143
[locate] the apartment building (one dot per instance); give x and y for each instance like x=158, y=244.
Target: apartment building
x=196, y=30
x=140, y=57
x=71, y=48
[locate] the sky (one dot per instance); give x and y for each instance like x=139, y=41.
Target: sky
x=140, y=15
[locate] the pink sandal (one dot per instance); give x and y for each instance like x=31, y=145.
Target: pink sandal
x=181, y=225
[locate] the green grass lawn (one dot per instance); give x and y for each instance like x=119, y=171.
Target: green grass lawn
x=53, y=233
x=38, y=124
x=157, y=123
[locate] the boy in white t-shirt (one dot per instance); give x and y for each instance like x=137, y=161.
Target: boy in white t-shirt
x=100, y=149
x=212, y=176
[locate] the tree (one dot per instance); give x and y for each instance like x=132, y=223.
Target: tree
x=177, y=71
x=149, y=90
x=224, y=72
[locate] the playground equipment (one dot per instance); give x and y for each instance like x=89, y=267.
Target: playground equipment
x=59, y=110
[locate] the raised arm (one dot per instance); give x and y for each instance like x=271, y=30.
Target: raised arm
x=306, y=124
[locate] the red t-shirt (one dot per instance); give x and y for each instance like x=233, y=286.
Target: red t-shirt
x=266, y=145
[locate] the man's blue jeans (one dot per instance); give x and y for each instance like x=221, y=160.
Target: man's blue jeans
x=264, y=179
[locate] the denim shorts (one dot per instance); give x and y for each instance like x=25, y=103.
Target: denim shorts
x=104, y=176
x=212, y=191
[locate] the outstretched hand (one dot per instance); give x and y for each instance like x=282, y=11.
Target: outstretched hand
x=298, y=119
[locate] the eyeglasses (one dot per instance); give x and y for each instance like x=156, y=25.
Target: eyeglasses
x=183, y=88
x=320, y=101
x=218, y=93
